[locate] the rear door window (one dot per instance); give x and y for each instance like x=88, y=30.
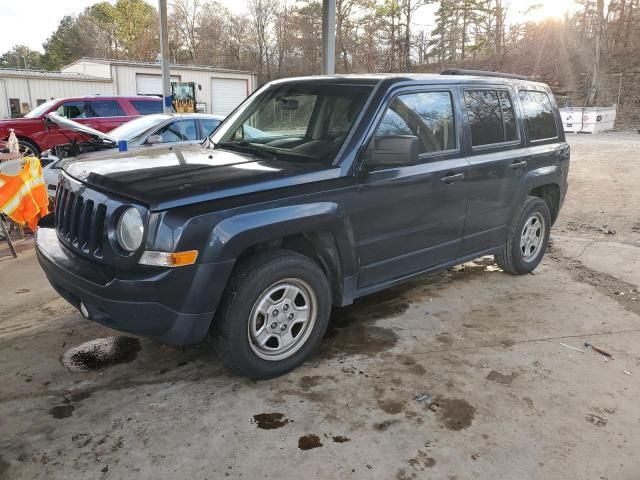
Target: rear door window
x=106, y=108
x=427, y=115
x=147, y=107
x=538, y=114
x=491, y=117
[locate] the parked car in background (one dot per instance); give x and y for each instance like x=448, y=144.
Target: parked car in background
x=139, y=133
x=98, y=112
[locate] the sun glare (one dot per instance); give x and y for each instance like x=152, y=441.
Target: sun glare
x=554, y=9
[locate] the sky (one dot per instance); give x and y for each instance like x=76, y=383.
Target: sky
x=31, y=22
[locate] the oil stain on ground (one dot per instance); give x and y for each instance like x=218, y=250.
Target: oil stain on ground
x=308, y=442
x=351, y=331
x=382, y=426
x=500, y=378
x=392, y=407
x=421, y=461
x=307, y=382
x=4, y=466
x=340, y=439
x=101, y=353
x=270, y=421
x=69, y=405
x=61, y=411
x=455, y=413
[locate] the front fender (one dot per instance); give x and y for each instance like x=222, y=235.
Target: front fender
x=233, y=235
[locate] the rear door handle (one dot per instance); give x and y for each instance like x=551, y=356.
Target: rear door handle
x=521, y=164
x=452, y=177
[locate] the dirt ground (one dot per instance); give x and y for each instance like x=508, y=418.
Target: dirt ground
x=460, y=375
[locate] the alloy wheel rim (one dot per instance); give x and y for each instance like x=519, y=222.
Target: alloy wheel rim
x=26, y=151
x=282, y=319
x=532, y=237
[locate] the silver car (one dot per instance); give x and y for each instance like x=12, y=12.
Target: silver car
x=139, y=133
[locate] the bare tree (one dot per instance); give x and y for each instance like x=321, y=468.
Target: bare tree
x=263, y=14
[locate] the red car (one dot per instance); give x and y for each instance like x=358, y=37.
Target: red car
x=98, y=112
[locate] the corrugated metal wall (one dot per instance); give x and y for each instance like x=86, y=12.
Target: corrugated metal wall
x=122, y=82
x=30, y=90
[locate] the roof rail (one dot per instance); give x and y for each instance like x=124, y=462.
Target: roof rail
x=482, y=73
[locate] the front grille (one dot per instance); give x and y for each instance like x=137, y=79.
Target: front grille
x=80, y=221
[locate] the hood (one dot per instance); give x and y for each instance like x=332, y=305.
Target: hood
x=78, y=127
x=170, y=176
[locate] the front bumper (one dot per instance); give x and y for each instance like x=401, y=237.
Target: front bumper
x=173, y=306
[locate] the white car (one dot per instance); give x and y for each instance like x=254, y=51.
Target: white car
x=141, y=132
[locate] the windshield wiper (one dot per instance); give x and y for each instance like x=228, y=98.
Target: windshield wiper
x=243, y=145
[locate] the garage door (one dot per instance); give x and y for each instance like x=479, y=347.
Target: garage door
x=227, y=94
x=151, y=84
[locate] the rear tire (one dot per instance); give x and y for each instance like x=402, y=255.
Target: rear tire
x=273, y=315
x=527, y=239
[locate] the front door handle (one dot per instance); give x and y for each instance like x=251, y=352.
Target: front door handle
x=452, y=177
x=516, y=165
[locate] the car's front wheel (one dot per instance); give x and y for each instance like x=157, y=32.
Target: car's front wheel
x=527, y=239
x=28, y=149
x=273, y=315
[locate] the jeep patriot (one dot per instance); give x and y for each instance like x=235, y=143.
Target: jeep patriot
x=315, y=191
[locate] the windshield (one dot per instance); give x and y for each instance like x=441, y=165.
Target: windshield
x=40, y=109
x=132, y=130
x=296, y=121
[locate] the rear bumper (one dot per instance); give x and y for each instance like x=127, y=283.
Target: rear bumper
x=172, y=306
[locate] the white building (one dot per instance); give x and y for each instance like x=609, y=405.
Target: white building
x=218, y=91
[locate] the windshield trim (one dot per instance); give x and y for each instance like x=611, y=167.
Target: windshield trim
x=217, y=134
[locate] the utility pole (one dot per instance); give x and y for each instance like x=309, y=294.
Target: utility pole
x=328, y=37
x=164, y=53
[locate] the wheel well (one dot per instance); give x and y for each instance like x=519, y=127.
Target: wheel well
x=550, y=193
x=318, y=246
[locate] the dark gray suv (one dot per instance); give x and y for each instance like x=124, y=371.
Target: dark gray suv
x=315, y=191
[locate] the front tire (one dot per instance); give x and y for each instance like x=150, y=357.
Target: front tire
x=273, y=315
x=28, y=149
x=527, y=239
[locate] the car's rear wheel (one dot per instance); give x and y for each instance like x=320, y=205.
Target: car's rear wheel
x=274, y=314
x=527, y=239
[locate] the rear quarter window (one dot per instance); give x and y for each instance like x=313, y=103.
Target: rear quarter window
x=538, y=114
x=147, y=107
x=106, y=108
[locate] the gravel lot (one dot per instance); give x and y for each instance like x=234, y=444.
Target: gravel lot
x=460, y=375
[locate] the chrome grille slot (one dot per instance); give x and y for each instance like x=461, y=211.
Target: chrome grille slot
x=80, y=221
x=97, y=229
x=85, y=225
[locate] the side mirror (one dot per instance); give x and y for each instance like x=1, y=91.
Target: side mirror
x=393, y=151
x=153, y=139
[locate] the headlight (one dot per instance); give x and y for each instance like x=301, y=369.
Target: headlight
x=130, y=230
